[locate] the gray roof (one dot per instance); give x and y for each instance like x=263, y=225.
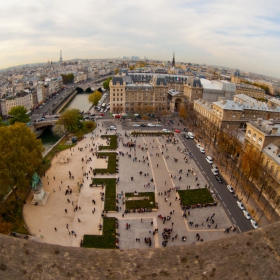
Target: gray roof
x=117, y=79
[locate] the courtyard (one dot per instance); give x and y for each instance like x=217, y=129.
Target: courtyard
x=155, y=164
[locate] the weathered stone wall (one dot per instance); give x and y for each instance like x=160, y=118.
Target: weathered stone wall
x=251, y=255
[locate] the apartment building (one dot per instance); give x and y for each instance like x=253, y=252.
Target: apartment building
x=264, y=136
x=251, y=91
x=21, y=99
x=235, y=113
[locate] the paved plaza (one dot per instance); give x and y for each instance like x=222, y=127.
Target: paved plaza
x=154, y=158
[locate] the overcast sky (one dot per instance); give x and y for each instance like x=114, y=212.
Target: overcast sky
x=241, y=34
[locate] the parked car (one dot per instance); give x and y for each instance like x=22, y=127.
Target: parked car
x=219, y=179
x=198, y=146
x=151, y=125
x=254, y=224
x=142, y=125
x=177, y=131
x=240, y=205
x=186, y=136
x=246, y=215
x=229, y=187
x=202, y=150
x=209, y=159
x=136, y=125
x=191, y=135
x=214, y=171
x=214, y=166
x=158, y=125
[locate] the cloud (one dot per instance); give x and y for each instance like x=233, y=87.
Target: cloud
x=241, y=34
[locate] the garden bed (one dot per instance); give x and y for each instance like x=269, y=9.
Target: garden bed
x=112, y=159
x=113, y=142
x=137, y=204
x=110, y=192
x=194, y=197
x=105, y=241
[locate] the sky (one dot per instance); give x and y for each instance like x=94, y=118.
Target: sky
x=243, y=34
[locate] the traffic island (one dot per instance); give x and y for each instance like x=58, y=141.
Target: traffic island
x=105, y=241
x=197, y=198
x=136, y=201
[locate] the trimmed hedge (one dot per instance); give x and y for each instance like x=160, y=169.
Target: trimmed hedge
x=105, y=241
x=113, y=142
x=137, y=204
x=110, y=192
x=197, y=196
x=112, y=158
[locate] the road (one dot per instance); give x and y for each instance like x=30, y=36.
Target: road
x=226, y=198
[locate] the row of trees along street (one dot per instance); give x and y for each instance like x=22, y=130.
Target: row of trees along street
x=247, y=168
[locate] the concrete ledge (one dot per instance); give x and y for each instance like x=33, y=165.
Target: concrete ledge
x=251, y=255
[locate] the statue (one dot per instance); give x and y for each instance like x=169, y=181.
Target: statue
x=36, y=181
x=40, y=196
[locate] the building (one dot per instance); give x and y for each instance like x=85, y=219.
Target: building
x=251, y=91
x=236, y=77
x=232, y=114
x=21, y=99
x=138, y=98
x=264, y=136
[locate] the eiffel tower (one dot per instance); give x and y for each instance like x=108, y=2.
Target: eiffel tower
x=60, y=60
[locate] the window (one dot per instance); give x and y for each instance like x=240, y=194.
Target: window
x=260, y=141
x=254, y=137
x=249, y=133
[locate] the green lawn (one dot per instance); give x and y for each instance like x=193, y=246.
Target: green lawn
x=136, y=204
x=105, y=241
x=113, y=142
x=198, y=196
x=110, y=192
x=112, y=157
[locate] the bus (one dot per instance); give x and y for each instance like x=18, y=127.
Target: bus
x=103, y=106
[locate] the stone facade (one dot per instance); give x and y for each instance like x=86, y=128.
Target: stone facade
x=251, y=91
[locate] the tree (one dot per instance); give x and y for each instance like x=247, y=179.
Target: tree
x=94, y=97
x=18, y=114
x=67, y=79
x=70, y=119
x=106, y=83
x=116, y=70
x=20, y=157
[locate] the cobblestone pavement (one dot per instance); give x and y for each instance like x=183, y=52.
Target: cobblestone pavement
x=160, y=168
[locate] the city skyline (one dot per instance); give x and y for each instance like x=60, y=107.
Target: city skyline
x=236, y=35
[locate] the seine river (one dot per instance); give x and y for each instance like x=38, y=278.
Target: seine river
x=80, y=101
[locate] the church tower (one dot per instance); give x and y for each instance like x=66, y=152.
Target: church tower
x=173, y=60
